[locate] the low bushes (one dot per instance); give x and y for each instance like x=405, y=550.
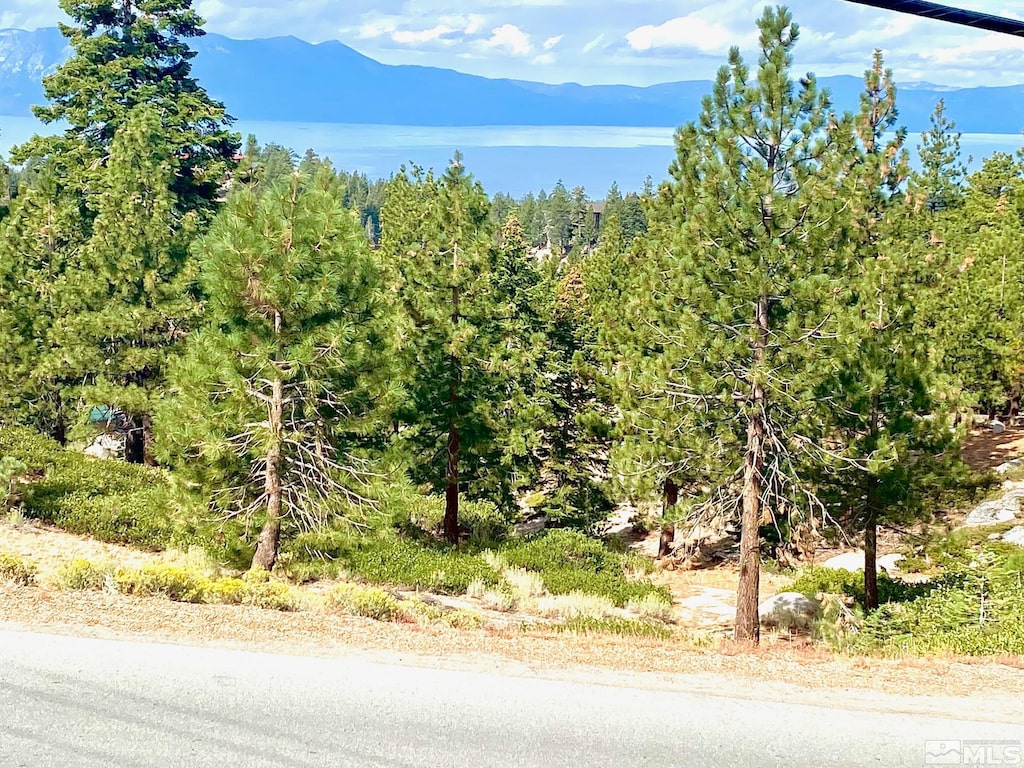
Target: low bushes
x=586, y=625
x=373, y=603
x=833, y=581
x=109, y=500
x=974, y=605
x=388, y=559
x=178, y=583
x=569, y=561
x=16, y=570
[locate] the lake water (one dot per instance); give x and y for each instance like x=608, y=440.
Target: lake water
x=512, y=159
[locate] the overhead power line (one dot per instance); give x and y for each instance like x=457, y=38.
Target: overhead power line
x=929, y=10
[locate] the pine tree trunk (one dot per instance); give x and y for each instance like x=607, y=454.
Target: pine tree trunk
x=668, y=530
x=270, y=536
x=871, y=524
x=135, y=442
x=748, y=625
x=451, y=490
x=1014, y=406
x=60, y=425
x=871, y=562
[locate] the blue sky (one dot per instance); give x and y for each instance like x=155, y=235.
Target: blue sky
x=610, y=41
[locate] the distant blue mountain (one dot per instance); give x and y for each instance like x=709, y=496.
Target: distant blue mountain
x=286, y=79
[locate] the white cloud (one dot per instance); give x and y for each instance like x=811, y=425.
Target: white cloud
x=544, y=59
x=986, y=44
x=420, y=36
x=551, y=42
x=689, y=31
x=510, y=38
x=593, y=43
x=376, y=28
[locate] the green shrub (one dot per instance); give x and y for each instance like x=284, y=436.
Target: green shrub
x=832, y=581
x=585, y=625
x=10, y=470
x=182, y=585
x=569, y=561
x=272, y=595
x=371, y=602
x=15, y=570
x=396, y=561
x=225, y=591
x=84, y=574
x=976, y=607
x=110, y=500
x=487, y=525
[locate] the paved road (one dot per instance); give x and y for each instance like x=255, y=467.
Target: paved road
x=84, y=703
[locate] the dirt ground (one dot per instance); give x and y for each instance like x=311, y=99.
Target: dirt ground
x=779, y=668
x=703, y=609
x=985, y=450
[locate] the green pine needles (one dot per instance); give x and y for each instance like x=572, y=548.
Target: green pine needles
x=281, y=390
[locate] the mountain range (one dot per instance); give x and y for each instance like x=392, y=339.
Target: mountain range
x=286, y=79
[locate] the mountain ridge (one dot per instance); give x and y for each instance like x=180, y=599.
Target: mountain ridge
x=287, y=79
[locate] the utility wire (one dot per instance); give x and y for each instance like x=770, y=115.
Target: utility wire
x=930, y=10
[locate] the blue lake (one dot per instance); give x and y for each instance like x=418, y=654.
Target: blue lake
x=512, y=159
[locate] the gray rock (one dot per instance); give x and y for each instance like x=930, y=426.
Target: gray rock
x=1015, y=536
x=789, y=610
x=890, y=563
x=997, y=427
x=854, y=561
x=1006, y=466
x=994, y=512
x=105, y=447
x=531, y=526
x=848, y=561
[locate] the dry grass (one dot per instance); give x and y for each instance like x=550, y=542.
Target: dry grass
x=776, y=669
x=650, y=607
x=575, y=605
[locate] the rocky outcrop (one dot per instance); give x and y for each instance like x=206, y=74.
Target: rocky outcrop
x=789, y=610
x=854, y=561
x=1015, y=536
x=996, y=511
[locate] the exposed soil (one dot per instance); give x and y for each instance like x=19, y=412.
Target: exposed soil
x=985, y=450
x=695, y=657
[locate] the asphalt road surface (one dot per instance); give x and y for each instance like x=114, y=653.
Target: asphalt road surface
x=70, y=702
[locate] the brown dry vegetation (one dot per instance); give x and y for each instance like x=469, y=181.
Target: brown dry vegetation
x=696, y=656
x=779, y=668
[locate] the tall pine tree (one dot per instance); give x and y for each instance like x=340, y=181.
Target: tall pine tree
x=127, y=53
x=460, y=370
x=132, y=280
x=281, y=389
x=40, y=249
x=758, y=241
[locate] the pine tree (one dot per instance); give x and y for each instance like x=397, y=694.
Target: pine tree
x=40, y=248
x=756, y=234
x=886, y=385
x=284, y=384
x=941, y=178
x=581, y=221
x=977, y=315
x=127, y=54
x=557, y=209
x=522, y=358
x=132, y=281
x=437, y=235
x=634, y=217
x=614, y=206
